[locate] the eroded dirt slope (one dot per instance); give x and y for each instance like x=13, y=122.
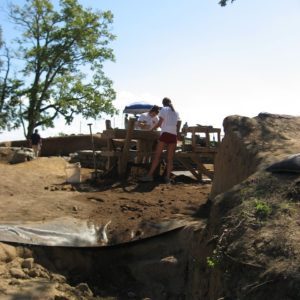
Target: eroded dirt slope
x=251, y=245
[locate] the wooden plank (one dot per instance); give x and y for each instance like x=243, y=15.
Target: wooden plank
x=145, y=135
x=144, y=151
x=109, y=162
x=201, y=167
x=194, y=130
x=198, y=154
x=205, y=150
x=193, y=139
x=110, y=153
x=207, y=137
x=108, y=134
x=136, y=134
x=190, y=168
x=219, y=136
x=123, y=160
x=195, y=158
x=108, y=124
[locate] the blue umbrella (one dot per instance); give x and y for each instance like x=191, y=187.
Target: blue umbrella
x=137, y=108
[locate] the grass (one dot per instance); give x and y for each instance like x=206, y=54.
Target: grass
x=262, y=209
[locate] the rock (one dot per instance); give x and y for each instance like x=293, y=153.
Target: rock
x=7, y=252
x=169, y=260
x=22, y=155
x=84, y=288
x=131, y=294
x=14, y=281
x=58, y=297
x=16, y=263
x=27, y=263
x=44, y=274
x=58, y=278
x=24, y=252
x=17, y=273
x=3, y=269
x=34, y=273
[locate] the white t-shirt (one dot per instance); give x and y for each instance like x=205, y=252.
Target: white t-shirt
x=170, y=119
x=150, y=121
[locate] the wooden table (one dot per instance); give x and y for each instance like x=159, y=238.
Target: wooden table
x=192, y=154
x=144, y=141
x=206, y=130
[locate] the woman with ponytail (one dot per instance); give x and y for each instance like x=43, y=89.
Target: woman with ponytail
x=169, y=123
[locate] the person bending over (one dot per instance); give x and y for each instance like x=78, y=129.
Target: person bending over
x=148, y=120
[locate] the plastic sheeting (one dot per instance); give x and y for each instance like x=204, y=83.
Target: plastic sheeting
x=69, y=232
x=58, y=232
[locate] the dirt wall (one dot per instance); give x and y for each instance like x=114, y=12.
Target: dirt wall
x=251, y=144
x=63, y=146
x=235, y=160
x=248, y=247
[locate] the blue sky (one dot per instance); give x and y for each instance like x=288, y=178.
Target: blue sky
x=211, y=61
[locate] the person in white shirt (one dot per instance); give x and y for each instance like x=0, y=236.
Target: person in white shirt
x=148, y=120
x=169, y=123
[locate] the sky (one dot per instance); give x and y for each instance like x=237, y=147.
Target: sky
x=211, y=61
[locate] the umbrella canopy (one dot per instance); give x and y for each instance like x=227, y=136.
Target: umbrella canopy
x=137, y=108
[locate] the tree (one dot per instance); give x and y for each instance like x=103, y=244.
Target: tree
x=8, y=87
x=63, y=52
x=2, y=122
x=3, y=75
x=224, y=2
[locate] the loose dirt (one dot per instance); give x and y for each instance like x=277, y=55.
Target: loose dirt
x=36, y=191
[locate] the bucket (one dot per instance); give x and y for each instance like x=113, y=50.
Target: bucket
x=73, y=173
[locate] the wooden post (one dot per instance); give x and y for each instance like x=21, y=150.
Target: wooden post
x=141, y=151
x=219, y=136
x=194, y=139
x=207, y=137
x=125, y=152
x=108, y=124
x=109, y=145
x=201, y=168
x=189, y=167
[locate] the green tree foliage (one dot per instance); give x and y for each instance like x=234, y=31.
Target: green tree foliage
x=224, y=2
x=1, y=45
x=9, y=102
x=2, y=98
x=63, y=52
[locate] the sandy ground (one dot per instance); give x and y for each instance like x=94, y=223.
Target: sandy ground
x=36, y=191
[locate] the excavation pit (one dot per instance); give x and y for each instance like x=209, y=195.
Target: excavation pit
x=152, y=268
x=56, y=228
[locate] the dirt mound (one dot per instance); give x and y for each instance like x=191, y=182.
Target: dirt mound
x=251, y=144
x=251, y=244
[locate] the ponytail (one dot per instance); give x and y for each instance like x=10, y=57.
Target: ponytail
x=167, y=102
